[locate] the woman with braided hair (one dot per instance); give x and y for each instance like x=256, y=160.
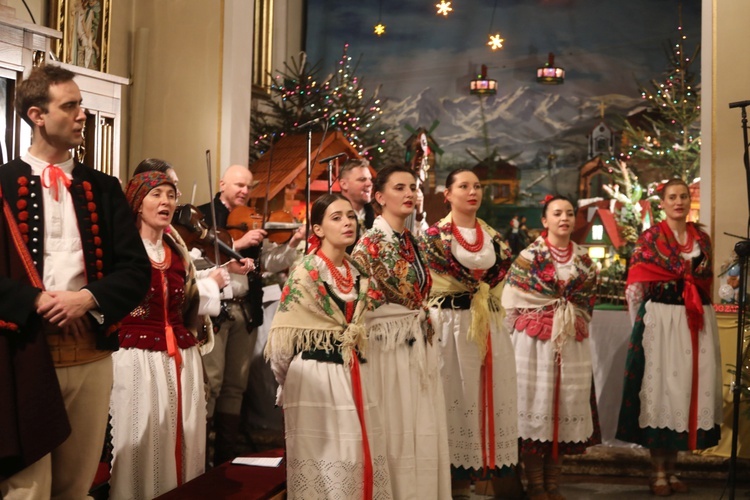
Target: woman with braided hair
x=468, y=261
x=548, y=300
x=672, y=394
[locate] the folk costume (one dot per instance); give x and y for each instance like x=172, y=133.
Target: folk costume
x=403, y=357
x=548, y=306
x=672, y=394
x=244, y=308
x=478, y=362
x=64, y=227
x=334, y=437
x=158, y=403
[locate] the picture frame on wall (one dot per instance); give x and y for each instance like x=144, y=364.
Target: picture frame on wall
x=85, y=28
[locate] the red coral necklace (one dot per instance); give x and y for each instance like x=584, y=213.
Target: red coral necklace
x=688, y=246
x=406, y=249
x=343, y=283
x=560, y=255
x=471, y=247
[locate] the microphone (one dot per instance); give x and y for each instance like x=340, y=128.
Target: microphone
x=739, y=104
x=316, y=120
x=330, y=158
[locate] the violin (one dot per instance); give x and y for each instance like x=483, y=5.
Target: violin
x=189, y=223
x=280, y=224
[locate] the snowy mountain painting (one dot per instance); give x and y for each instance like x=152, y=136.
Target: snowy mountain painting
x=423, y=65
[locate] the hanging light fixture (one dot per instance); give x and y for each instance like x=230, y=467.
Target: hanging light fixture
x=549, y=74
x=482, y=85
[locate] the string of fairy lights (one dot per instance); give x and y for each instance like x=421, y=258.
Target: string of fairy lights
x=445, y=8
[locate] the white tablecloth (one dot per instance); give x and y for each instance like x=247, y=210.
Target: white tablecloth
x=610, y=334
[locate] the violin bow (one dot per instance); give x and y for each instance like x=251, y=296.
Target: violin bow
x=213, y=208
x=268, y=182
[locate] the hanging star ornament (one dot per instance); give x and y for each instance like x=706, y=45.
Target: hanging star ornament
x=496, y=42
x=379, y=29
x=444, y=8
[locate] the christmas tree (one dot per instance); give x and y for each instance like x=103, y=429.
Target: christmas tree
x=669, y=138
x=357, y=114
x=297, y=97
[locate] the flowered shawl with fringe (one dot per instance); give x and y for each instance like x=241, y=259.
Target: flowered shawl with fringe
x=393, y=280
x=532, y=284
x=308, y=318
x=449, y=277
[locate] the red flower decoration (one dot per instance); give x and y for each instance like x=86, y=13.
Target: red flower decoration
x=21, y=204
x=375, y=294
x=314, y=274
x=433, y=231
x=322, y=290
x=285, y=293
x=373, y=250
x=23, y=191
x=547, y=199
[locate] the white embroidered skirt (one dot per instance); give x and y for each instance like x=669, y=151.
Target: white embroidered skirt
x=667, y=377
x=324, y=437
x=535, y=367
x=414, y=419
x=144, y=422
x=461, y=372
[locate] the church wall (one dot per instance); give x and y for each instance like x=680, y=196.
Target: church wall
x=722, y=161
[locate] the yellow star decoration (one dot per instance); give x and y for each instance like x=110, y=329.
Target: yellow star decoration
x=496, y=42
x=444, y=8
x=379, y=29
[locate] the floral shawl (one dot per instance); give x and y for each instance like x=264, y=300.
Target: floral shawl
x=657, y=258
x=449, y=277
x=394, y=278
x=532, y=283
x=308, y=318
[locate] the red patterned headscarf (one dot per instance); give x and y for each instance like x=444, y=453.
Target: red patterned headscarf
x=140, y=185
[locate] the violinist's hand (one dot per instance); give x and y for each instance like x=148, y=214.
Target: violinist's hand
x=221, y=276
x=244, y=266
x=252, y=238
x=299, y=235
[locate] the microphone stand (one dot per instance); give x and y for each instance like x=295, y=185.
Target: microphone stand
x=742, y=249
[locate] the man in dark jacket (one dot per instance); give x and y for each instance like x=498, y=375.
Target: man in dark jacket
x=72, y=266
x=355, y=181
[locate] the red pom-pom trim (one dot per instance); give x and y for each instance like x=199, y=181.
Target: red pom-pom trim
x=23, y=191
x=23, y=216
x=21, y=204
x=24, y=228
x=91, y=206
x=22, y=181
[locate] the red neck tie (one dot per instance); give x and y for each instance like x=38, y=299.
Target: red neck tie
x=51, y=178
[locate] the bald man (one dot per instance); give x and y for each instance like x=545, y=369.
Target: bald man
x=228, y=364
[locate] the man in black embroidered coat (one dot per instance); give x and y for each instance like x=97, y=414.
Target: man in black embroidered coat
x=72, y=266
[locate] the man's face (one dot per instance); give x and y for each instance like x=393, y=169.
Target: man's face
x=235, y=187
x=356, y=185
x=62, y=124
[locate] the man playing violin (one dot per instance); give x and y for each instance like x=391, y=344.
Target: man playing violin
x=227, y=366
x=355, y=181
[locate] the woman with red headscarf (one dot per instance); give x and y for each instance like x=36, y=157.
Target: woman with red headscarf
x=672, y=395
